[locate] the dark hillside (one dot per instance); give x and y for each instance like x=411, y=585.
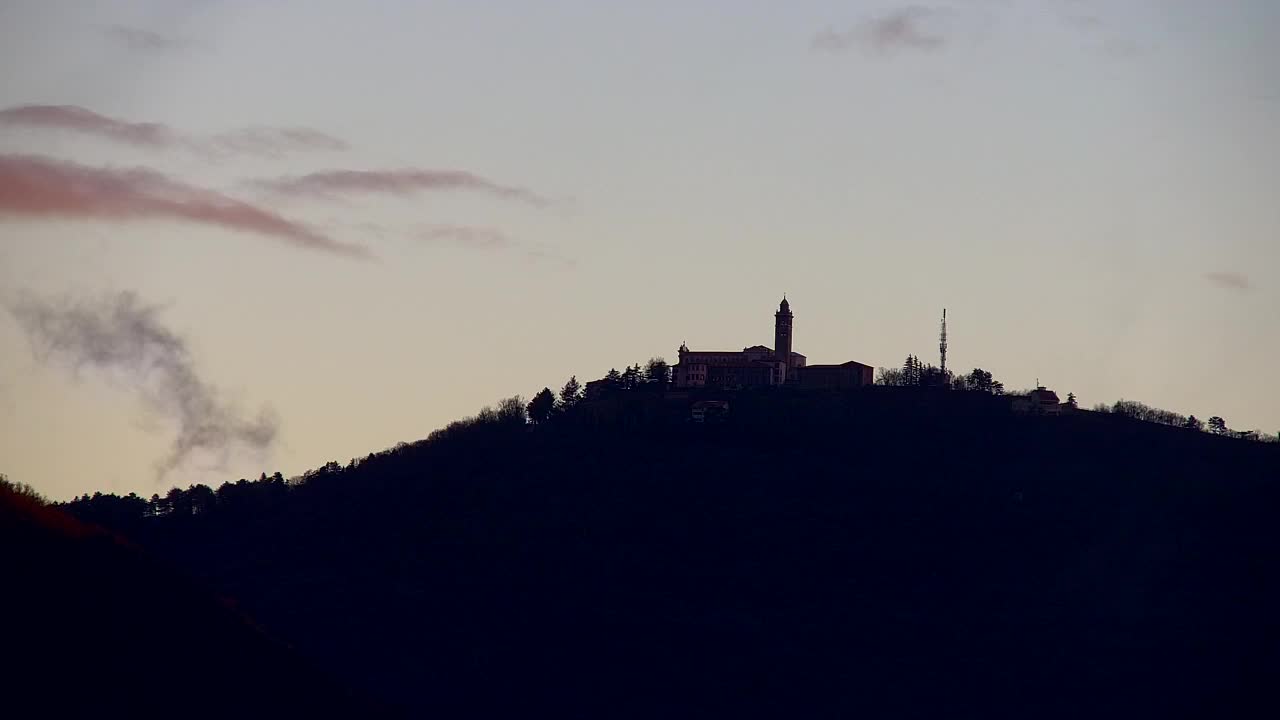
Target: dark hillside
x=94, y=628
x=875, y=554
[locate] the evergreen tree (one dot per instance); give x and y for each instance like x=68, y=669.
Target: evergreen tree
x=912, y=371
x=930, y=376
x=1071, y=400
x=631, y=377
x=613, y=378
x=1217, y=425
x=1193, y=423
x=570, y=394
x=542, y=406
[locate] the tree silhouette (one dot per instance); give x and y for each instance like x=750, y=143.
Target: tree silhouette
x=1071, y=401
x=512, y=411
x=657, y=371
x=1193, y=423
x=981, y=381
x=21, y=489
x=571, y=393
x=931, y=376
x=631, y=377
x=202, y=499
x=542, y=406
x=1217, y=425
x=613, y=378
x=891, y=377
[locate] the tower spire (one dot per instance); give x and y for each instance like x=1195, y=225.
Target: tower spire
x=942, y=342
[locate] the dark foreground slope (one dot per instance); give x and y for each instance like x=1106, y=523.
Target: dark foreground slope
x=866, y=556
x=94, y=628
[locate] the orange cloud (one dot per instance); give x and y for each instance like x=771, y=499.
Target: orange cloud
x=78, y=119
x=331, y=183
x=35, y=186
x=269, y=141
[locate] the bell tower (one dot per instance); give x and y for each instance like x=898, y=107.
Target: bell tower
x=782, y=333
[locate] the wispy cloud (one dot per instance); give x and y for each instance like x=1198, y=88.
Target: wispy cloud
x=1083, y=21
x=263, y=141
x=1228, y=280
x=271, y=141
x=551, y=256
x=142, y=40
x=331, y=184
x=34, y=186
x=479, y=238
x=81, y=120
x=483, y=238
x=912, y=28
x=124, y=341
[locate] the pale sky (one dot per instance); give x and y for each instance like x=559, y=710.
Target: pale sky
x=1089, y=187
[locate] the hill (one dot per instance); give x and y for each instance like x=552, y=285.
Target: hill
x=95, y=627
x=869, y=553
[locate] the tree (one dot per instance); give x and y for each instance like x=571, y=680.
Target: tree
x=202, y=499
x=657, y=371
x=571, y=393
x=613, y=378
x=931, y=376
x=21, y=489
x=911, y=371
x=541, y=406
x=1217, y=425
x=981, y=381
x=1071, y=401
x=1193, y=423
x=511, y=411
x=892, y=377
x=631, y=377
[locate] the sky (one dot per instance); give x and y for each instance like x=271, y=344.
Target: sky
x=239, y=237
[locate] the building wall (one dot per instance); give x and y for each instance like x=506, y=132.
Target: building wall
x=844, y=376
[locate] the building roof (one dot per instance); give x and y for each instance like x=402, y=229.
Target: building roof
x=850, y=363
x=1043, y=395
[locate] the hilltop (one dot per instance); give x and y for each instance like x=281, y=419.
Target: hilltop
x=889, y=552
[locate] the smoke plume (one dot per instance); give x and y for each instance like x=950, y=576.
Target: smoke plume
x=124, y=341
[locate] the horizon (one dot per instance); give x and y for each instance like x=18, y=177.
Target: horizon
x=395, y=216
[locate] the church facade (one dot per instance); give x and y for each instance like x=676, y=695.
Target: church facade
x=761, y=366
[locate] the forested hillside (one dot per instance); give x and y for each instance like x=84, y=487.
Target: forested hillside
x=896, y=553
x=94, y=627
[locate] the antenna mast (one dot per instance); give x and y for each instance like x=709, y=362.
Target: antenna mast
x=942, y=343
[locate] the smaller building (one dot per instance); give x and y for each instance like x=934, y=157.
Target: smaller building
x=1040, y=401
x=709, y=411
x=596, y=389
x=834, y=377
